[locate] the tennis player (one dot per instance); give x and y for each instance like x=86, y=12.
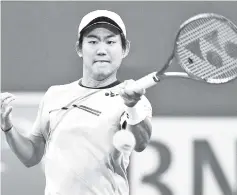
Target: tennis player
x=76, y=122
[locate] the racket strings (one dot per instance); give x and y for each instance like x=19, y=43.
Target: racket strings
x=200, y=31
x=207, y=48
x=200, y=68
x=205, y=70
x=229, y=62
x=229, y=71
x=195, y=25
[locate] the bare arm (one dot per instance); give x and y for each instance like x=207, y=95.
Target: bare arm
x=142, y=133
x=29, y=149
x=138, y=113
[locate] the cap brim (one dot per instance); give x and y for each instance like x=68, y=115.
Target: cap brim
x=100, y=22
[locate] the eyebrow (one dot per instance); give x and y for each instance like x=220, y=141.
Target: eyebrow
x=92, y=36
x=95, y=36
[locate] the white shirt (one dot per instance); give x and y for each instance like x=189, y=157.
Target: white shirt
x=78, y=124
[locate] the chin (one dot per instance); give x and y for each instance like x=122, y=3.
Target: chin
x=102, y=76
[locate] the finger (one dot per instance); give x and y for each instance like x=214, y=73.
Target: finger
x=131, y=89
x=128, y=82
x=7, y=102
x=130, y=99
x=138, y=89
x=132, y=86
x=128, y=94
x=5, y=96
x=124, y=94
x=133, y=92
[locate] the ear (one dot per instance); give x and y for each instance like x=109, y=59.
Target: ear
x=127, y=49
x=78, y=49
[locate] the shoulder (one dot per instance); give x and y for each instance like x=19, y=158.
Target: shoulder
x=59, y=94
x=57, y=89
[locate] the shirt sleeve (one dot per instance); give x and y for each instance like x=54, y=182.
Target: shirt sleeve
x=41, y=124
x=146, y=107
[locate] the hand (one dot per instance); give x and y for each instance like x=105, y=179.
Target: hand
x=131, y=93
x=6, y=109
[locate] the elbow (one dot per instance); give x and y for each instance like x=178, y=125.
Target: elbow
x=141, y=147
x=29, y=164
x=143, y=142
x=36, y=156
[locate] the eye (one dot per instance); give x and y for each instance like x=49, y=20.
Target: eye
x=111, y=42
x=93, y=42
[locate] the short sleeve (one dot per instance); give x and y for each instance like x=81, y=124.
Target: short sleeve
x=146, y=107
x=41, y=124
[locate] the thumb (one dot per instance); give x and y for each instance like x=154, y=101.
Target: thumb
x=8, y=111
x=6, y=119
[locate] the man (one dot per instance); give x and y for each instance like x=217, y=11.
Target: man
x=76, y=122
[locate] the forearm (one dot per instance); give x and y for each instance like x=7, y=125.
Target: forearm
x=21, y=145
x=142, y=133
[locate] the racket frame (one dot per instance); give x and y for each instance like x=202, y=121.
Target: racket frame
x=155, y=77
x=187, y=22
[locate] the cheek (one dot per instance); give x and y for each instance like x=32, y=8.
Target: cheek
x=88, y=59
x=117, y=56
x=87, y=53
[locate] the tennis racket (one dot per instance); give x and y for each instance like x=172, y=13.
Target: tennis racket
x=205, y=48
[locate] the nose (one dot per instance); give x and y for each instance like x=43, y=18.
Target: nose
x=101, y=51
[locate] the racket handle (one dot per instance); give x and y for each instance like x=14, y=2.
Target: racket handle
x=148, y=80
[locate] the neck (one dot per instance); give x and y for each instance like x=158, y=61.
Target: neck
x=93, y=83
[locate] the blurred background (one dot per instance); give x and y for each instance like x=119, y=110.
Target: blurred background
x=38, y=51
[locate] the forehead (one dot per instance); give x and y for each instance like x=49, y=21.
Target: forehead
x=101, y=30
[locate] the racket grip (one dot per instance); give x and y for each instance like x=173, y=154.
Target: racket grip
x=148, y=80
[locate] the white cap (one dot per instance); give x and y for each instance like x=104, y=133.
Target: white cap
x=88, y=18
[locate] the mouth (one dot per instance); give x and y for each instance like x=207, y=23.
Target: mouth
x=102, y=61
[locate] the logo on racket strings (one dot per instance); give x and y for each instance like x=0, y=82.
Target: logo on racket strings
x=213, y=49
